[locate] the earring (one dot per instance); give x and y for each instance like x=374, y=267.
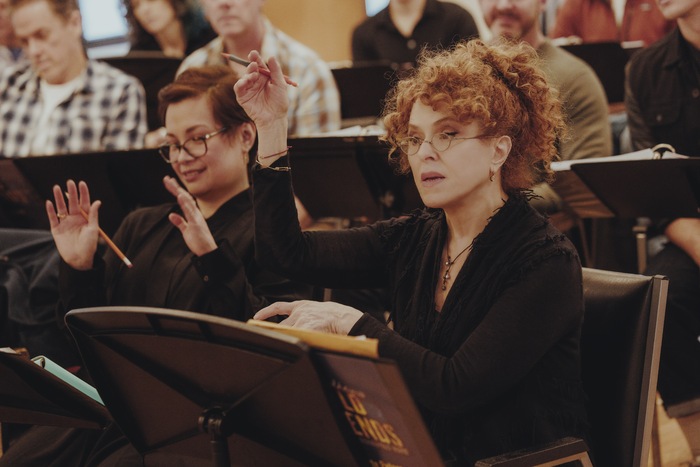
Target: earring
x=492, y=173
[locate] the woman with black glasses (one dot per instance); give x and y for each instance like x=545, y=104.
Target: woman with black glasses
x=196, y=254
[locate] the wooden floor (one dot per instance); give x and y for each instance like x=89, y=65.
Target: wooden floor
x=674, y=449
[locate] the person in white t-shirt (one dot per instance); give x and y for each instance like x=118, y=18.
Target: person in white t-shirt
x=60, y=101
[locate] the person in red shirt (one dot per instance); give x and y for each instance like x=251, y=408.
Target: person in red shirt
x=611, y=21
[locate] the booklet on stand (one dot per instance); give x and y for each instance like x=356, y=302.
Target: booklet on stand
x=42, y=393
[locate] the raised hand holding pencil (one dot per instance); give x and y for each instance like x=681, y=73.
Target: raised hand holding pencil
x=75, y=227
x=263, y=70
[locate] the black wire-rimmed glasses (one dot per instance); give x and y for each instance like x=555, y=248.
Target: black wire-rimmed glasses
x=195, y=146
x=440, y=142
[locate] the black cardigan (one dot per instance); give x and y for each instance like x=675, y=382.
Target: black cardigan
x=227, y=282
x=498, y=368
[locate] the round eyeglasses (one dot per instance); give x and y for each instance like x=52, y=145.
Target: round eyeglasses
x=195, y=146
x=440, y=142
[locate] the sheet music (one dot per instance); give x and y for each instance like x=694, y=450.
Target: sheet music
x=643, y=155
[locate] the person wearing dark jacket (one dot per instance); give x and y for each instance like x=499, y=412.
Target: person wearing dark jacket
x=486, y=296
x=662, y=98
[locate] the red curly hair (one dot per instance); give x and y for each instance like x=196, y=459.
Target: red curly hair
x=502, y=87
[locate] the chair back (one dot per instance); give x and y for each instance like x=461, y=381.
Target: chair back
x=620, y=348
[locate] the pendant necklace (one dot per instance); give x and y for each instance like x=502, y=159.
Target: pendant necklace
x=449, y=263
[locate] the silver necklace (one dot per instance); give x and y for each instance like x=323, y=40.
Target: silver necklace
x=449, y=263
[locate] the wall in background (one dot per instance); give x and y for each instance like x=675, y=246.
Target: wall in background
x=324, y=25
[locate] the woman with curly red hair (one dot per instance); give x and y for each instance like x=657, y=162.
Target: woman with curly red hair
x=486, y=296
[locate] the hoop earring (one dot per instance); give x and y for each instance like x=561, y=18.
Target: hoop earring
x=492, y=173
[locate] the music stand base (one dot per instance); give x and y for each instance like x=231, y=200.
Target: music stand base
x=213, y=422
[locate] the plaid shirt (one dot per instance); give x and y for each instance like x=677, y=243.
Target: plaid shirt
x=106, y=112
x=314, y=106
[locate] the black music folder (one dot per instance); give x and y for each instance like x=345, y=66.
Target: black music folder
x=189, y=386
x=29, y=394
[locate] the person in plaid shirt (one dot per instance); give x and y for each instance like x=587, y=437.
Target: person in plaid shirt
x=61, y=102
x=241, y=26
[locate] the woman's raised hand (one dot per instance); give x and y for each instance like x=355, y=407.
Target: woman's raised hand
x=194, y=228
x=74, y=235
x=263, y=98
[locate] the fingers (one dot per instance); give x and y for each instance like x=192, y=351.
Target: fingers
x=277, y=308
x=73, y=199
x=171, y=185
x=51, y=213
x=275, y=69
x=189, y=207
x=61, y=208
x=84, y=200
x=78, y=197
x=93, y=209
x=178, y=221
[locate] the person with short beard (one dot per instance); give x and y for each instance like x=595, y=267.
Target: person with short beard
x=585, y=103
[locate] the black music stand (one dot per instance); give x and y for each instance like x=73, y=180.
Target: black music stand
x=645, y=188
x=349, y=177
x=363, y=88
x=631, y=189
x=31, y=395
x=195, y=387
x=122, y=180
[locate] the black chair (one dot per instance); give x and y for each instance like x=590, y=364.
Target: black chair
x=620, y=348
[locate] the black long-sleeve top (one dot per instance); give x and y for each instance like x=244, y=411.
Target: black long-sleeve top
x=442, y=24
x=498, y=368
x=227, y=282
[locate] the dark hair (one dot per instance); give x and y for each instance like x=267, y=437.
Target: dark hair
x=188, y=12
x=500, y=86
x=62, y=8
x=216, y=83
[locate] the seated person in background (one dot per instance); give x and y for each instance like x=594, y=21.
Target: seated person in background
x=194, y=255
x=399, y=32
x=242, y=27
x=610, y=21
x=584, y=102
x=486, y=295
x=175, y=27
x=62, y=102
x=10, y=50
x=663, y=104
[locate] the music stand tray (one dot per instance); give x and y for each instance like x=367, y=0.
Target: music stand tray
x=349, y=177
x=31, y=395
x=645, y=188
x=197, y=387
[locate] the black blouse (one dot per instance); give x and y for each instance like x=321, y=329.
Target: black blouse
x=227, y=282
x=498, y=368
